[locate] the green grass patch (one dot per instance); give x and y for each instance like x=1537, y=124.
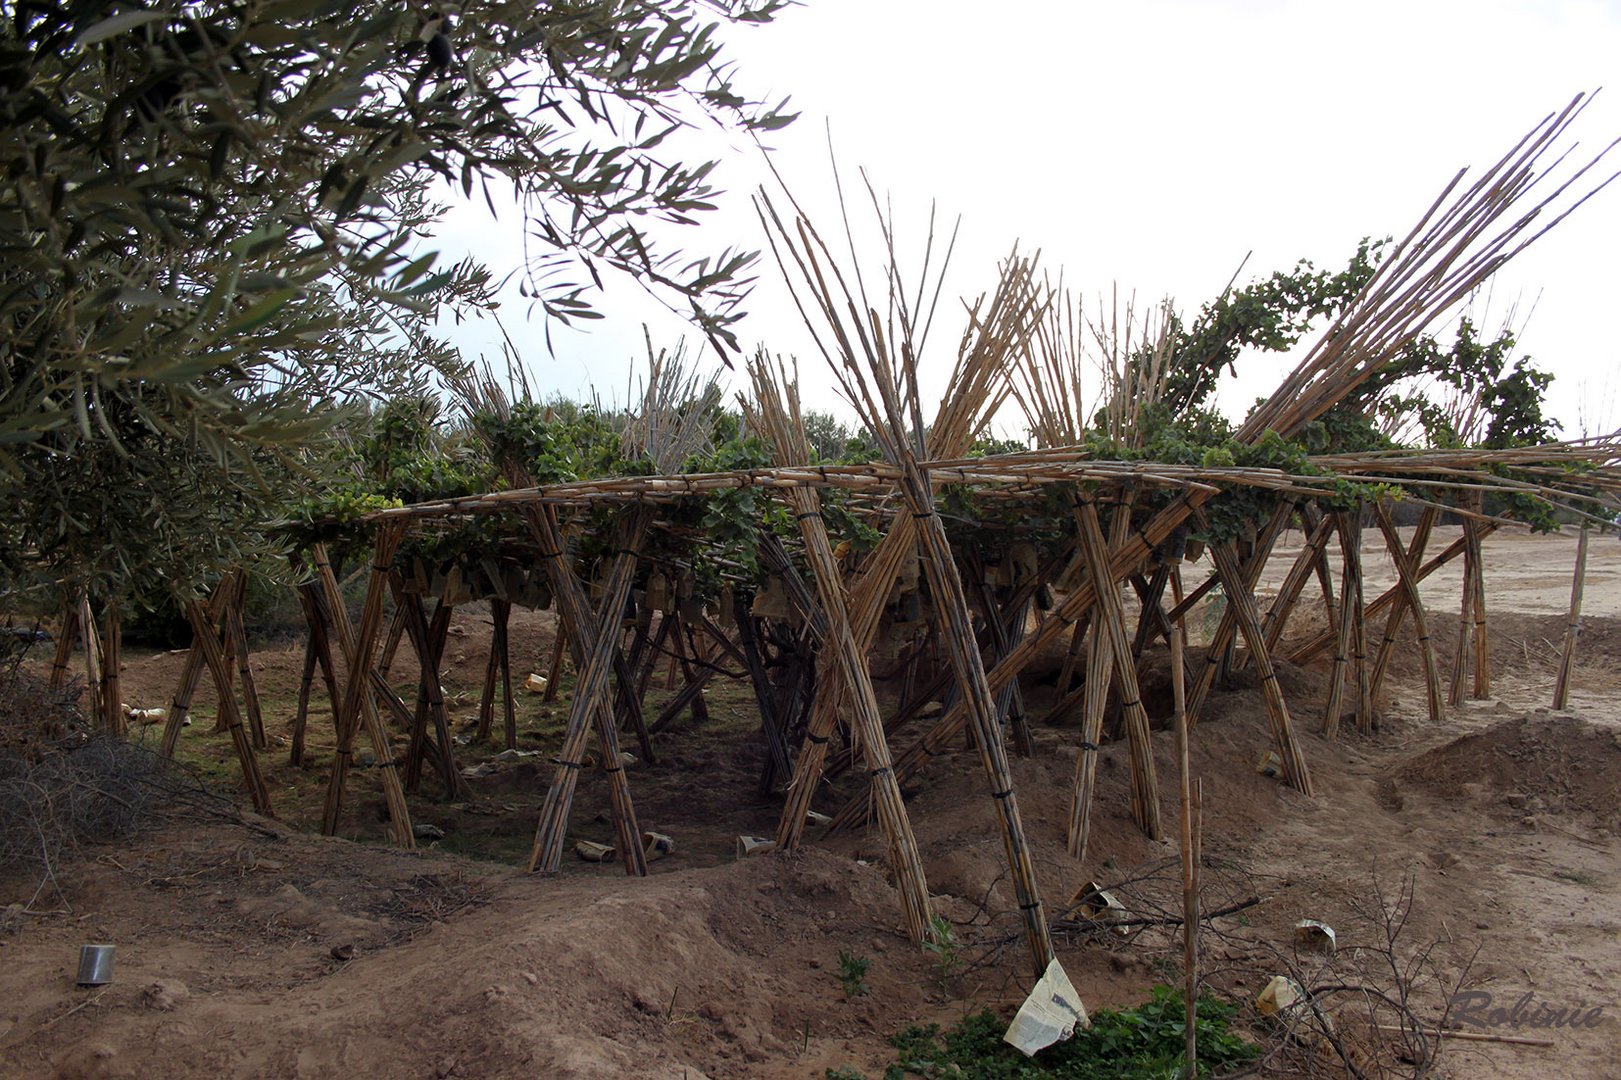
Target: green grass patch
x=1137, y=1043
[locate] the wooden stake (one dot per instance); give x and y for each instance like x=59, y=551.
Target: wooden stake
x=1573, y=624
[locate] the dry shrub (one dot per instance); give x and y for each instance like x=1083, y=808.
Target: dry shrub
x=62, y=787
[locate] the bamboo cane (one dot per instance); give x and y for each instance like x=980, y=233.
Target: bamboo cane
x=320, y=645
x=1111, y=617
x=629, y=703
x=1009, y=711
x=391, y=643
x=1413, y=557
x=1249, y=624
x=652, y=654
x=850, y=659
x=776, y=735
x=359, y=704
x=95, y=684
x=866, y=606
x=1347, y=630
x=239, y=649
x=686, y=651
x=951, y=608
x=1185, y=604
x=499, y=666
x=1190, y=863
x=1072, y=656
x=1359, y=623
x=1466, y=620
x=1151, y=620
x=492, y=670
x=66, y=635
x=1310, y=650
x=594, y=642
x=1227, y=628
x=1125, y=559
x=1483, y=667
x=205, y=635
x=1283, y=605
x=415, y=723
x=236, y=584
x=429, y=647
x=1459, y=242
x=306, y=683
x=781, y=419
x=1405, y=559
x=1180, y=621
x=1573, y=624
x=555, y=671
x=191, y=672
x=1095, y=688
x=112, y=696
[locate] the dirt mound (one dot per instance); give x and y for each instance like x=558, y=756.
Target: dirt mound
x=1529, y=764
x=309, y=957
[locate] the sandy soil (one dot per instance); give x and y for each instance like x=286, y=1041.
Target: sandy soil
x=256, y=949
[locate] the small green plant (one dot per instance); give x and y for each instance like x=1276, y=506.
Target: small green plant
x=942, y=942
x=1122, y=1044
x=845, y=1072
x=853, y=974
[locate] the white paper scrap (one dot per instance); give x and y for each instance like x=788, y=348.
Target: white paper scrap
x=1050, y=1014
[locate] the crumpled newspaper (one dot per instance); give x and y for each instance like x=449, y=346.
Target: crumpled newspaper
x=1049, y=1015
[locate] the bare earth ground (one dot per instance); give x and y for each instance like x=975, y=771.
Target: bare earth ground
x=260, y=950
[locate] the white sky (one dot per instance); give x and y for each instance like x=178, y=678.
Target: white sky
x=1152, y=144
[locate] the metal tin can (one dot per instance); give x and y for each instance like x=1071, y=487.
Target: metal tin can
x=96, y=964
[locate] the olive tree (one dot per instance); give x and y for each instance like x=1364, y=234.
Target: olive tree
x=211, y=216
